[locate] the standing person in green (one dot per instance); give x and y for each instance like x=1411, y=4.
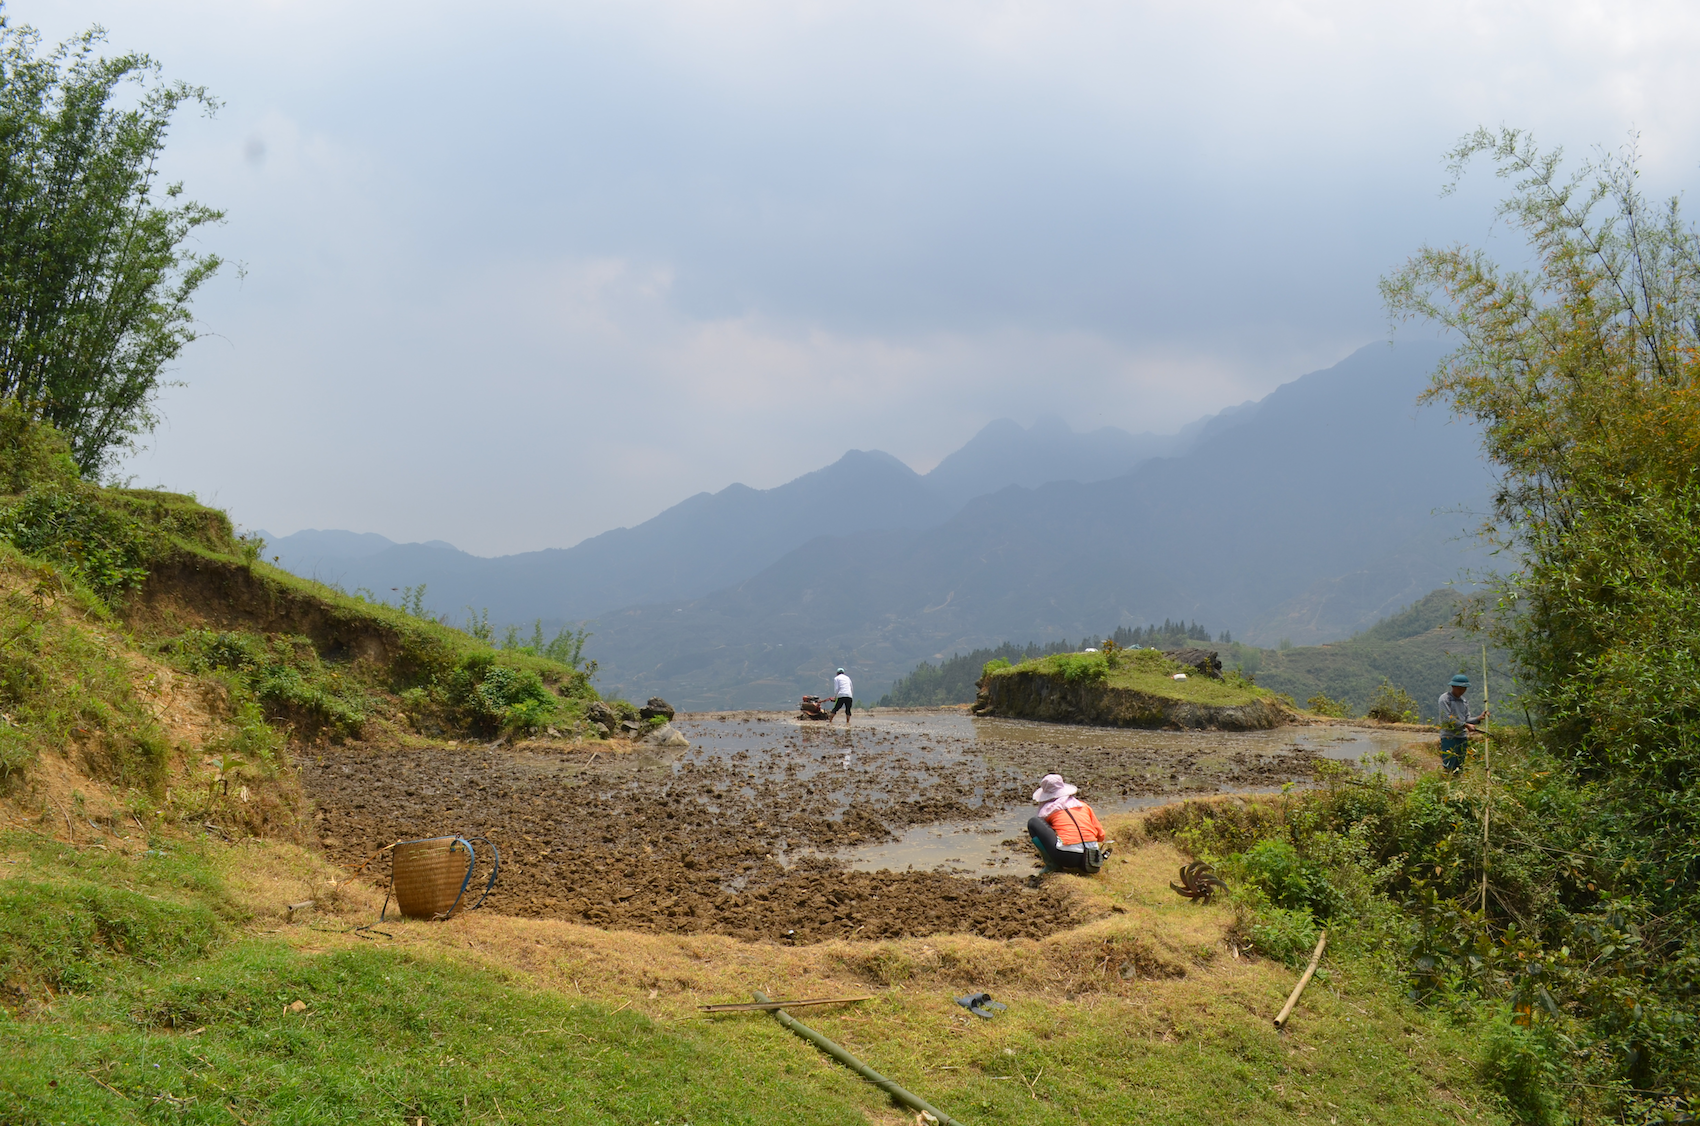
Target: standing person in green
x=1456, y=724
x=841, y=688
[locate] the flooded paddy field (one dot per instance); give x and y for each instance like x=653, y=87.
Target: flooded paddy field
x=767, y=827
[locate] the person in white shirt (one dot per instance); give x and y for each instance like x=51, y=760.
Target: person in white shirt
x=841, y=688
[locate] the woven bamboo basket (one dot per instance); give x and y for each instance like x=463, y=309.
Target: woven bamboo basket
x=430, y=876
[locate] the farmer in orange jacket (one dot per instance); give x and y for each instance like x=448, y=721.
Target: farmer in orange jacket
x=1065, y=830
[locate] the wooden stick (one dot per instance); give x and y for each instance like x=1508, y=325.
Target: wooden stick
x=1315, y=957
x=769, y=1006
x=69, y=832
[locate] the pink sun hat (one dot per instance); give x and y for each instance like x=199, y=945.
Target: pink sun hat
x=1052, y=787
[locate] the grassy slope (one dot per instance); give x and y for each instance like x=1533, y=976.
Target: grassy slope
x=1143, y=670
x=494, y=1019
x=1417, y=649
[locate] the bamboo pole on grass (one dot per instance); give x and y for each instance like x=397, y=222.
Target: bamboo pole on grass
x=1293, y=998
x=856, y=1065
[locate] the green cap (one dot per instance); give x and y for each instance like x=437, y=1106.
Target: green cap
x=1461, y=681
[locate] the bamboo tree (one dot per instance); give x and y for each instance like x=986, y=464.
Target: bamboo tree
x=96, y=267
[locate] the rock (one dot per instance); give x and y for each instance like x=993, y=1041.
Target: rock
x=600, y=730
x=665, y=735
x=1204, y=660
x=601, y=713
x=656, y=707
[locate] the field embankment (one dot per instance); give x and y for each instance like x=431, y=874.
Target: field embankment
x=1125, y=689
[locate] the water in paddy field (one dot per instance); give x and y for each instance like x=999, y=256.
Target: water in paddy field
x=884, y=760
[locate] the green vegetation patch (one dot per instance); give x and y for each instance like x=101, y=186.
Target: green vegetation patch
x=284, y=674
x=1142, y=670
x=60, y=686
x=75, y=921
x=1578, y=1009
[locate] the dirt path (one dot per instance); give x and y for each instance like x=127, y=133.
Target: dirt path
x=724, y=836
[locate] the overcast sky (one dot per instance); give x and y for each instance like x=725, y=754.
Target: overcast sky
x=519, y=273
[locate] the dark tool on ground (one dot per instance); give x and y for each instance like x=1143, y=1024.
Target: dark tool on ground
x=856, y=1065
x=982, y=1005
x=769, y=1006
x=1198, y=880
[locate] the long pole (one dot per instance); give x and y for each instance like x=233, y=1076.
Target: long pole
x=1487, y=774
x=1293, y=998
x=857, y=1065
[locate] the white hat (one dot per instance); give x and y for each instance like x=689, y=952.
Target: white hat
x=1052, y=787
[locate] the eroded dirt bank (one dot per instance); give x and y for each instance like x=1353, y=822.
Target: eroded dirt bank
x=725, y=836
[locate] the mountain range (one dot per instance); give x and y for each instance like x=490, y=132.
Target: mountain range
x=713, y=540
x=1304, y=516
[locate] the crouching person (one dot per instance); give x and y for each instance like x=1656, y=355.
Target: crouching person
x=1065, y=830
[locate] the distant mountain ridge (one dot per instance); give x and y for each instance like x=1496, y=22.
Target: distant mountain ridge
x=713, y=540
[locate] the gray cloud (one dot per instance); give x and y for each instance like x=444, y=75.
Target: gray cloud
x=514, y=281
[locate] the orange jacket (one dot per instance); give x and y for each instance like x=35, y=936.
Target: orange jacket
x=1064, y=821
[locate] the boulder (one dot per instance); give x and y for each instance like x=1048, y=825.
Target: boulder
x=601, y=713
x=656, y=707
x=665, y=735
x=1205, y=661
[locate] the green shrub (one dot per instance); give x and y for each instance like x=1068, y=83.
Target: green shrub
x=103, y=550
x=1322, y=705
x=285, y=675
x=1391, y=705
x=993, y=666
x=1287, y=936
x=1524, y=1063
x=32, y=454
x=495, y=697
x=1276, y=867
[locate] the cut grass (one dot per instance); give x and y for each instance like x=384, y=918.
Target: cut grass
x=498, y=1019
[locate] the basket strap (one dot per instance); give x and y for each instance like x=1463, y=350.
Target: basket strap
x=471, y=863
x=495, y=866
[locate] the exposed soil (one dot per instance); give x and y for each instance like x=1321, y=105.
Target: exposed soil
x=725, y=836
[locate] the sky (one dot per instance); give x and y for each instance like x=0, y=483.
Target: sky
x=512, y=274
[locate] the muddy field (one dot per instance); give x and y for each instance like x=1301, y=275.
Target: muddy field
x=744, y=832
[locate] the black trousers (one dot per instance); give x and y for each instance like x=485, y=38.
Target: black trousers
x=842, y=702
x=1045, y=840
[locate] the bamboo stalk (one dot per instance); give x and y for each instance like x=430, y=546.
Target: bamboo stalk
x=1487, y=775
x=769, y=1006
x=1293, y=998
x=856, y=1065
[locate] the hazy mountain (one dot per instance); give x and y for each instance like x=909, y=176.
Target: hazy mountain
x=1003, y=453
x=699, y=545
x=1334, y=473
x=715, y=539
